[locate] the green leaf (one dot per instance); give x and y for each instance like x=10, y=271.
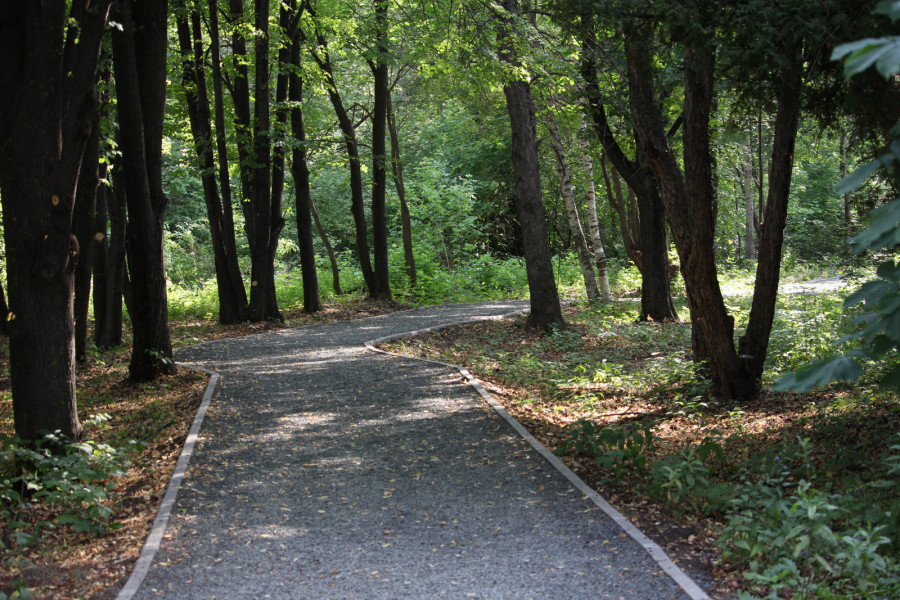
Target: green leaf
x=883, y=230
x=890, y=8
x=870, y=293
x=865, y=54
x=855, y=179
x=889, y=63
x=842, y=368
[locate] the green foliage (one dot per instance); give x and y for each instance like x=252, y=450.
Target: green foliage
x=74, y=478
x=619, y=448
x=878, y=335
x=797, y=538
x=684, y=481
x=441, y=205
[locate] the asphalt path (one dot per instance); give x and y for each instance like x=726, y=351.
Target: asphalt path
x=320, y=469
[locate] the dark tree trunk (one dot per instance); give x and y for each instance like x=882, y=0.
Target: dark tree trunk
x=405, y=220
x=228, y=231
x=109, y=261
x=83, y=228
x=379, y=154
x=232, y=296
x=545, y=308
x=4, y=312
x=48, y=77
x=262, y=201
x=300, y=171
x=656, y=296
x=656, y=288
x=260, y=182
x=240, y=94
x=755, y=340
x=139, y=58
x=690, y=205
x=357, y=207
x=100, y=266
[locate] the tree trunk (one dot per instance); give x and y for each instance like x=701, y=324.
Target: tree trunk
x=109, y=263
x=357, y=207
x=262, y=273
x=228, y=231
x=45, y=121
x=261, y=174
x=100, y=266
x=568, y=195
x=749, y=212
x=689, y=200
x=594, y=225
x=656, y=296
x=545, y=308
x=139, y=59
x=379, y=153
x=755, y=340
x=843, y=170
x=232, y=296
x=335, y=271
x=405, y=220
x=83, y=229
x=4, y=312
x=300, y=171
x=761, y=179
x=627, y=213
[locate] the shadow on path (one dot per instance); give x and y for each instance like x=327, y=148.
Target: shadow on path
x=325, y=471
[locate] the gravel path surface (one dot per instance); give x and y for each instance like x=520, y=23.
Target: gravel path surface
x=323, y=470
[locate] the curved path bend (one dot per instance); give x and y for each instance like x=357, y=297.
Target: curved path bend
x=324, y=470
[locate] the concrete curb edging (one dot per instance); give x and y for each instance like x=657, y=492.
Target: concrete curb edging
x=681, y=578
x=148, y=552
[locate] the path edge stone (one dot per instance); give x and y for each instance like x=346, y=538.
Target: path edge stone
x=684, y=581
x=164, y=513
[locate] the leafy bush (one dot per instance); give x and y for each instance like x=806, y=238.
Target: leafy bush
x=611, y=447
x=71, y=478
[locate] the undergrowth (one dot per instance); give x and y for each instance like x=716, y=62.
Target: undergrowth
x=804, y=486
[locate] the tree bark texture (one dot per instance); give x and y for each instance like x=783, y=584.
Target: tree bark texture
x=45, y=122
x=139, y=60
x=379, y=153
x=322, y=58
x=568, y=194
x=229, y=236
x=545, y=308
x=626, y=211
x=335, y=271
x=594, y=225
x=262, y=273
x=409, y=256
x=300, y=171
x=109, y=260
x=755, y=341
x=749, y=206
x=229, y=283
x=656, y=296
x=261, y=173
x=83, y=229
x=689, y=201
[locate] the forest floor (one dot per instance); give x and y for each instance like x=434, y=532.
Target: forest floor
x=67, y=564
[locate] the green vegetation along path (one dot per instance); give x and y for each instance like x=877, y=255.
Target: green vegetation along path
x=324, y=470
